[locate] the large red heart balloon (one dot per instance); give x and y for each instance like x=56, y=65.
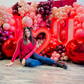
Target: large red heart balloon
x=75, y=50
x=9, y=47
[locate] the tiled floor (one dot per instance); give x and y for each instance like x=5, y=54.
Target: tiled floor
x=18, y=74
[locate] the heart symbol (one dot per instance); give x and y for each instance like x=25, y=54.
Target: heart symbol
x=36, y=33
x=47, y=40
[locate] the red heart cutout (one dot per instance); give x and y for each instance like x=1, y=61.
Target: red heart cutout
x=47, y=40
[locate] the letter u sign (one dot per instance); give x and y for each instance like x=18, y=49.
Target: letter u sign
x=57, y=28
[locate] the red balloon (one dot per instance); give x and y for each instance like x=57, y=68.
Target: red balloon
x=9, y=47
x=49, y=50
x=75, y=50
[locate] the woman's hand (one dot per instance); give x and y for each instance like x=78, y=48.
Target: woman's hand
x=23, y=61
x=10, y=64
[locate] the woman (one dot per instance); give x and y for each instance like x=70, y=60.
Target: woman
x=25, y=50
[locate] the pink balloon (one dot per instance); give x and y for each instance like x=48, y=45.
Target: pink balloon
x=39, y=16
x=73, y=9
x=51, y=41
x=76, y=18
x=80, y=9
x=79, y=14
x=3, y=7
x=75, y=23
x=43, y=24
x=73, y=13
x=83, y=24
x=12, y=22
x=79, y=25
x=32, y=14
x=35, y=17
x=35, y=25
x=79, y=33
x=12, y=28
x=56, y=59
x=63, y=33
x=6, y=20
x=6, y=26
x=4, y=16
x=75, y=4
x=58, y=55
x=31, y=9
x=81, y=18
x=9, y=9
x=75, y=27
x=35, y=21
x=27, y=21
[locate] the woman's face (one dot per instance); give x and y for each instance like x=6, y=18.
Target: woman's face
x=27, y=33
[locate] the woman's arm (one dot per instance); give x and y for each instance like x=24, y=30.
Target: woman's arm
x=29, y=54
x=16, y=53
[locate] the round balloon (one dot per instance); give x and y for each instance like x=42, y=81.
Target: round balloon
x=9, y=47
x=27, y=21
x=75, y=50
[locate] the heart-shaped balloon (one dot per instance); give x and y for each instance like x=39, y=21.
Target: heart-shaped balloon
x=9, y=47
x=75, y=50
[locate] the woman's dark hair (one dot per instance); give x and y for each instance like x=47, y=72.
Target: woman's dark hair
x=30, y=38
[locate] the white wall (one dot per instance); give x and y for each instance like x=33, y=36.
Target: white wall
x=80, y=2
x=9, y=3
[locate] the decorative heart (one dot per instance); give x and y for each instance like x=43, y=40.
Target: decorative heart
x=36, y=33
x=47, y=40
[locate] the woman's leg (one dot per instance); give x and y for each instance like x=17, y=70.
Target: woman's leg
x=49, y=61
x=42, y=59
x=32, y=62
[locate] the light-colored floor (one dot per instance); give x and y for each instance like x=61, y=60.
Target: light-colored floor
x=18, y=74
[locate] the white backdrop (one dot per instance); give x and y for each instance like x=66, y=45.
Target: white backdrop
x=9, y=3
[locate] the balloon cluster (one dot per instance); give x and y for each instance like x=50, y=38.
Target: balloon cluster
x=40, y=40
x=32, y=21
x=53, y=41
x=6, y=18
x=78, y=13
x=55, y=56
x=61, y=49
x=43, y=54
x=57, y=52
x=4, y=35
x=45, y=9
x=26, y=8
x=36, y=21
x=15, y=9
x=61, y=13
x=28, y=13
